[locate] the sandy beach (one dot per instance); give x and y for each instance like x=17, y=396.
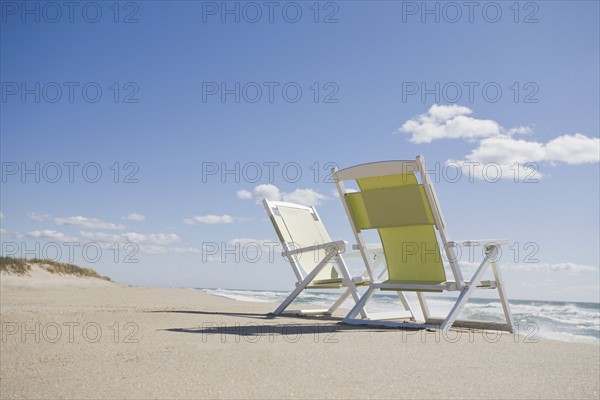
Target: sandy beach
x=70, y=337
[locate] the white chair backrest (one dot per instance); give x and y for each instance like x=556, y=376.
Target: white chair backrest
x=297, y=227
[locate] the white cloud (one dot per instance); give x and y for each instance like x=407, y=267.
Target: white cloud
x=85, y=222
x=11, y=234
x=443, y=113
x=573, y=149
x=503, y=158
x=101, y=236
x=244, y=194
x=134, y=237
x=514, y=156
x=1, y=215
x=306, y=197
x=210, y=219
x=570, y=149
x=267, y=191
x=448, y=122
x=153, y=243
x=498, y=145
x=519, y=130
x=51, y=235
x=557, y=267
x=155, y=249
x=505, y=150
x=153, y=238
x=38, y=217
x=260, y=242
x=135, y=217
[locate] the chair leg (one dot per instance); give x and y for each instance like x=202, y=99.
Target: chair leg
x=502, y=295
x=302, y=285
x=349, y=283
x=291, y=297
x=406, y=304
x=468, y=290
x=458, y=306
x=424, y=306
x=360, y=304
x=362, y=311
x=339, y=301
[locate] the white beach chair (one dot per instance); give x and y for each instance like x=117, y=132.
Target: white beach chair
x=315, y=259
x=405, y=213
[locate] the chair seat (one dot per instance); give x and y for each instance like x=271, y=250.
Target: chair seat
x=327, y=281
x=325, y=284
x=334, y=283
x=423, y=286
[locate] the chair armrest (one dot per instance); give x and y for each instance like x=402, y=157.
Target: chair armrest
x=338, y=247
x=481, y=242
x=370, y=246
x=352, y=254
x=487, y=244
x=361, y=279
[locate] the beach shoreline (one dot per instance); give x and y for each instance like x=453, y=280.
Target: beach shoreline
x=115, y=341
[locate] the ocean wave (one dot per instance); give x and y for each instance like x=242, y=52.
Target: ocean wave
x=563, y=321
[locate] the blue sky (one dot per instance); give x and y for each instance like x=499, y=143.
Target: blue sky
x=378, y=81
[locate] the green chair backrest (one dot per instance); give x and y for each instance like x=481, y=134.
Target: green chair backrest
x=302, y=228
x=398, y=208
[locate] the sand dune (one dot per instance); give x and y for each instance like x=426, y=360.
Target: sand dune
x=41, y=278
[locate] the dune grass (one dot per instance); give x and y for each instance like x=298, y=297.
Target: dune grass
x=22, y=266
x=12, y=265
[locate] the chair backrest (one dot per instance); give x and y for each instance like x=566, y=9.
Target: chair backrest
x=299, y=226
x=404, y=212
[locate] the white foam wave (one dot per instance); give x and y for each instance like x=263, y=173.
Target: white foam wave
x=564, y=321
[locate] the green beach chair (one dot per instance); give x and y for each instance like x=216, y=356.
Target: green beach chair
x=315, y=259
x=405, y=213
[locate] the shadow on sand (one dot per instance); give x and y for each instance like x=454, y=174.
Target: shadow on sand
x=321, y=328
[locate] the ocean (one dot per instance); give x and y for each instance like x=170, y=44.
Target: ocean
x=555, y=320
